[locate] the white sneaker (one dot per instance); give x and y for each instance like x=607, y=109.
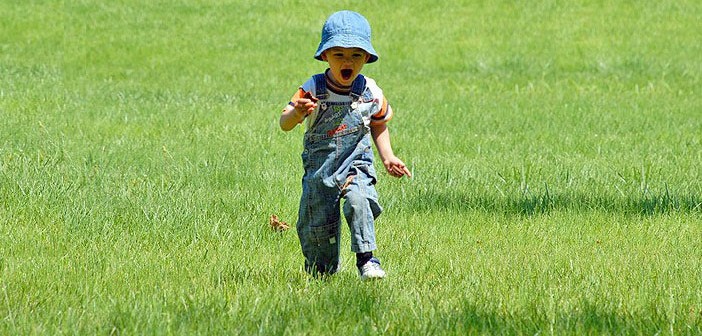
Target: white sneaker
x=371, y=270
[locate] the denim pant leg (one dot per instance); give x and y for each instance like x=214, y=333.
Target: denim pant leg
x=361, y=208
x=318, y=228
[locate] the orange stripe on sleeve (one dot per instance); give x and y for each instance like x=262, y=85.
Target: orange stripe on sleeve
x=383, y=110
x=384, y=115
x=294, y=98
x=300, y=92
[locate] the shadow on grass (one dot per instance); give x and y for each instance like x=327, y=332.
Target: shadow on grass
x=546, y=202
x=587, y=318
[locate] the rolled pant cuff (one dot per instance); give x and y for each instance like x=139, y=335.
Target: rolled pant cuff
x=363, y=248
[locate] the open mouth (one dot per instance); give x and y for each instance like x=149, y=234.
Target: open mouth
x=346, y=74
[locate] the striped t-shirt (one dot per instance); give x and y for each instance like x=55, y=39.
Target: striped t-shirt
x=341, y=94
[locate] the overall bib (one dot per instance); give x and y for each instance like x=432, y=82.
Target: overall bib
x=338, y=162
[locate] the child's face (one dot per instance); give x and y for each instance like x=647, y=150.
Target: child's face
x=345, y=63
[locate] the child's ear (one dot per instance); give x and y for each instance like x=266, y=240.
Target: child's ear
x=368, y=56
x=324, y=55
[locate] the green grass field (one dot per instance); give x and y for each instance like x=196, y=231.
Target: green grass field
x=555, y=146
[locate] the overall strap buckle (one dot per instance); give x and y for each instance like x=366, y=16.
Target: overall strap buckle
x=320, y=84
x=357, y=88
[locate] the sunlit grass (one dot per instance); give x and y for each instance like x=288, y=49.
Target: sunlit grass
x=555, y=149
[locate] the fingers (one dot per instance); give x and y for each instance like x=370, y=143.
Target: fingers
x=398, y=170
x=303, y=102
x=406, y=171
x=305, y=106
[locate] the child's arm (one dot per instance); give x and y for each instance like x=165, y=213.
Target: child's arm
x=381, y=137
x=295, y=112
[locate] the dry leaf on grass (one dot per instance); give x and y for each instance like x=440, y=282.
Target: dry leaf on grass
x=277, y=224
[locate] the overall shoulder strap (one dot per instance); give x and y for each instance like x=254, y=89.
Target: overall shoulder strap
x=320, y=84
x=357, y=87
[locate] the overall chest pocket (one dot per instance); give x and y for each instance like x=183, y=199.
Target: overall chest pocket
x=364, y=111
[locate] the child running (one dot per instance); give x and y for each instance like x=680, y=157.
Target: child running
x=342, y=111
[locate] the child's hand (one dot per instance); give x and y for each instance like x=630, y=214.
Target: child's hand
x=305, y=105
x=396, y=167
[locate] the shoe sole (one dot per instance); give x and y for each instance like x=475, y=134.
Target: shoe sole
x=372, y=276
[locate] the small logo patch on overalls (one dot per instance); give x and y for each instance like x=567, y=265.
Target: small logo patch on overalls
x=337, y=130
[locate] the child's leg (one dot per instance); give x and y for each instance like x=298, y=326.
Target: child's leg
x=318, y=230
x=360, y=210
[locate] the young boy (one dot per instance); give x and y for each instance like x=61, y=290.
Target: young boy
x=342, y=110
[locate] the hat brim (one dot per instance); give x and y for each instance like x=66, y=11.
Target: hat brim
x=347, y=41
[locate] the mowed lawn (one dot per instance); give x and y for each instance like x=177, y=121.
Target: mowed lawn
x=555, y=147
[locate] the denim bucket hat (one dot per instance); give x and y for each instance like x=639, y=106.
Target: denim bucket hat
x=346, y=29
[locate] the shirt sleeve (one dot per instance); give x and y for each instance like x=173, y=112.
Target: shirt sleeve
x=296, y=96
x=308, y=86
x=383, y=115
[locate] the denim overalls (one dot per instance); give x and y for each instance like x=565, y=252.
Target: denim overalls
x=338, y=162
